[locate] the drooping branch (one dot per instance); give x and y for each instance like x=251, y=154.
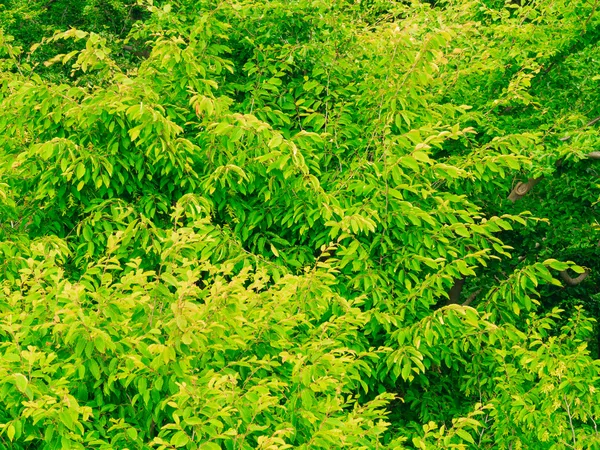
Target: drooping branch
x=573, y=281
x=521, y=189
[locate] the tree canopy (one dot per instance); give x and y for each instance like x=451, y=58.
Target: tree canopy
x=313, y=224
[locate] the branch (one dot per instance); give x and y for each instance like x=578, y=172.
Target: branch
x=455, y=290
x=471, y=297
x=49, y=4
x=141, y=53
x=573, y=281
x=589, y=17
x=589, y=124
x=521, y=189
x=577, y=45
x=594, y=155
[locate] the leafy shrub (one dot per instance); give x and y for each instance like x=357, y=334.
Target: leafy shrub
x=298, y=225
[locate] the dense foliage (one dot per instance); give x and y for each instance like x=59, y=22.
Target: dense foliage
x=315, y=224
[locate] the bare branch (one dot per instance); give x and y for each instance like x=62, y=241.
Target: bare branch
x=573, y=281
x=521, y=189
x=455, y=290
x=142, y=53
x=471, y=297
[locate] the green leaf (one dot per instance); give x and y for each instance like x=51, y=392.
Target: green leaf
x=100, y=344
x=410, y=162
x=276, y=141
x=421, y=156
x=80, y=171
x=134, y=132
x=516, y=308
x=465, y=435
x=179, y=439
x=10, y=432
x=21, y=381
x=94, y=368
x=209, y=446
x=132, y=433
x=461, y=230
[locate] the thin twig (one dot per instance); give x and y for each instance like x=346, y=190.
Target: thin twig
x=590, y=17
x=570, y=422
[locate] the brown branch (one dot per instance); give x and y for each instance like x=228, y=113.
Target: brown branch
x=589, y=124
x=589, y=17
x=549, y=68
x=471, y=297
x=455, y=290
x=49, y=4
x=592, y=122
x=141, y=53
x=521, y=189
x=573, y=281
